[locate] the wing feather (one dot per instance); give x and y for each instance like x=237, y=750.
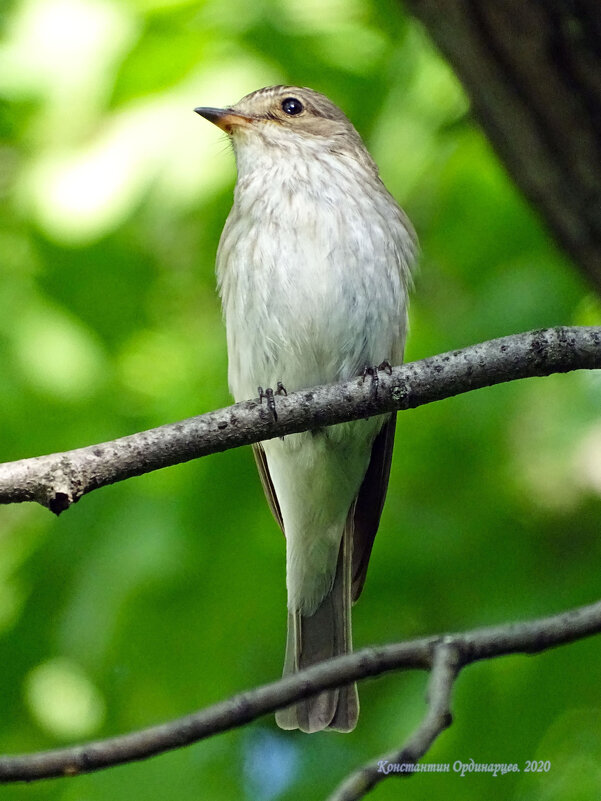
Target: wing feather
x=267, y=483
x=367, y=509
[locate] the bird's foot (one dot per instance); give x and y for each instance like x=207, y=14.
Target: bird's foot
x=373, y=372
x=269, y=396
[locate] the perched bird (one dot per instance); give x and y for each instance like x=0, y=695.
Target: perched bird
x=313, y=270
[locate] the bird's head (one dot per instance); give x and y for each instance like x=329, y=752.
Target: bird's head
x=288, y=118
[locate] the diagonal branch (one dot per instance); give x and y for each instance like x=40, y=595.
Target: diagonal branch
x=58, y=480
x=444, y=670
x=444, y=656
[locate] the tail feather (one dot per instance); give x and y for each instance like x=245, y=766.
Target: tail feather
x=313, y=638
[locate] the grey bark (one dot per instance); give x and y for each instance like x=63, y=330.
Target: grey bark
x=58, y=480
x=444, y=656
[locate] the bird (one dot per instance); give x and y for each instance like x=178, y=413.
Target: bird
x=314, y=270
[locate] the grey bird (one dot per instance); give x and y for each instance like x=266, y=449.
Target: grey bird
x=313, y=269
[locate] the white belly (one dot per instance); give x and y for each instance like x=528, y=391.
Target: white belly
x=311, y=295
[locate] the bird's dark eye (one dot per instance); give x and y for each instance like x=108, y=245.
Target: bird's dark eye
x=291, y=106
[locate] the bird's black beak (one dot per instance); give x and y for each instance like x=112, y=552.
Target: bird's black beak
x=224, y=118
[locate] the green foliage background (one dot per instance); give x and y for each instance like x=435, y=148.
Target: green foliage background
x=164, y=594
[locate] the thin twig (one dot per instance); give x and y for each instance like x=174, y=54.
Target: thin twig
x=445, y=667
x=485, y=643
x=59, y=480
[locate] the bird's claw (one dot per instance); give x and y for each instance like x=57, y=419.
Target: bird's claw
x=373, y=372
x=268, y=394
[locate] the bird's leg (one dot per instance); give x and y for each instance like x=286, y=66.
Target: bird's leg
x=268, y=394
x=373, y=372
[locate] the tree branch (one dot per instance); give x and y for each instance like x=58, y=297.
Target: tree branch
x=58, y=480
x=445, y=656
x=445, y=667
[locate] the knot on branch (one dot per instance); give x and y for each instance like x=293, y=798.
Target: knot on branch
x=62, y=487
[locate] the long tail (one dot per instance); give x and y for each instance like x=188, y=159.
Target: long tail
x=312, y=639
